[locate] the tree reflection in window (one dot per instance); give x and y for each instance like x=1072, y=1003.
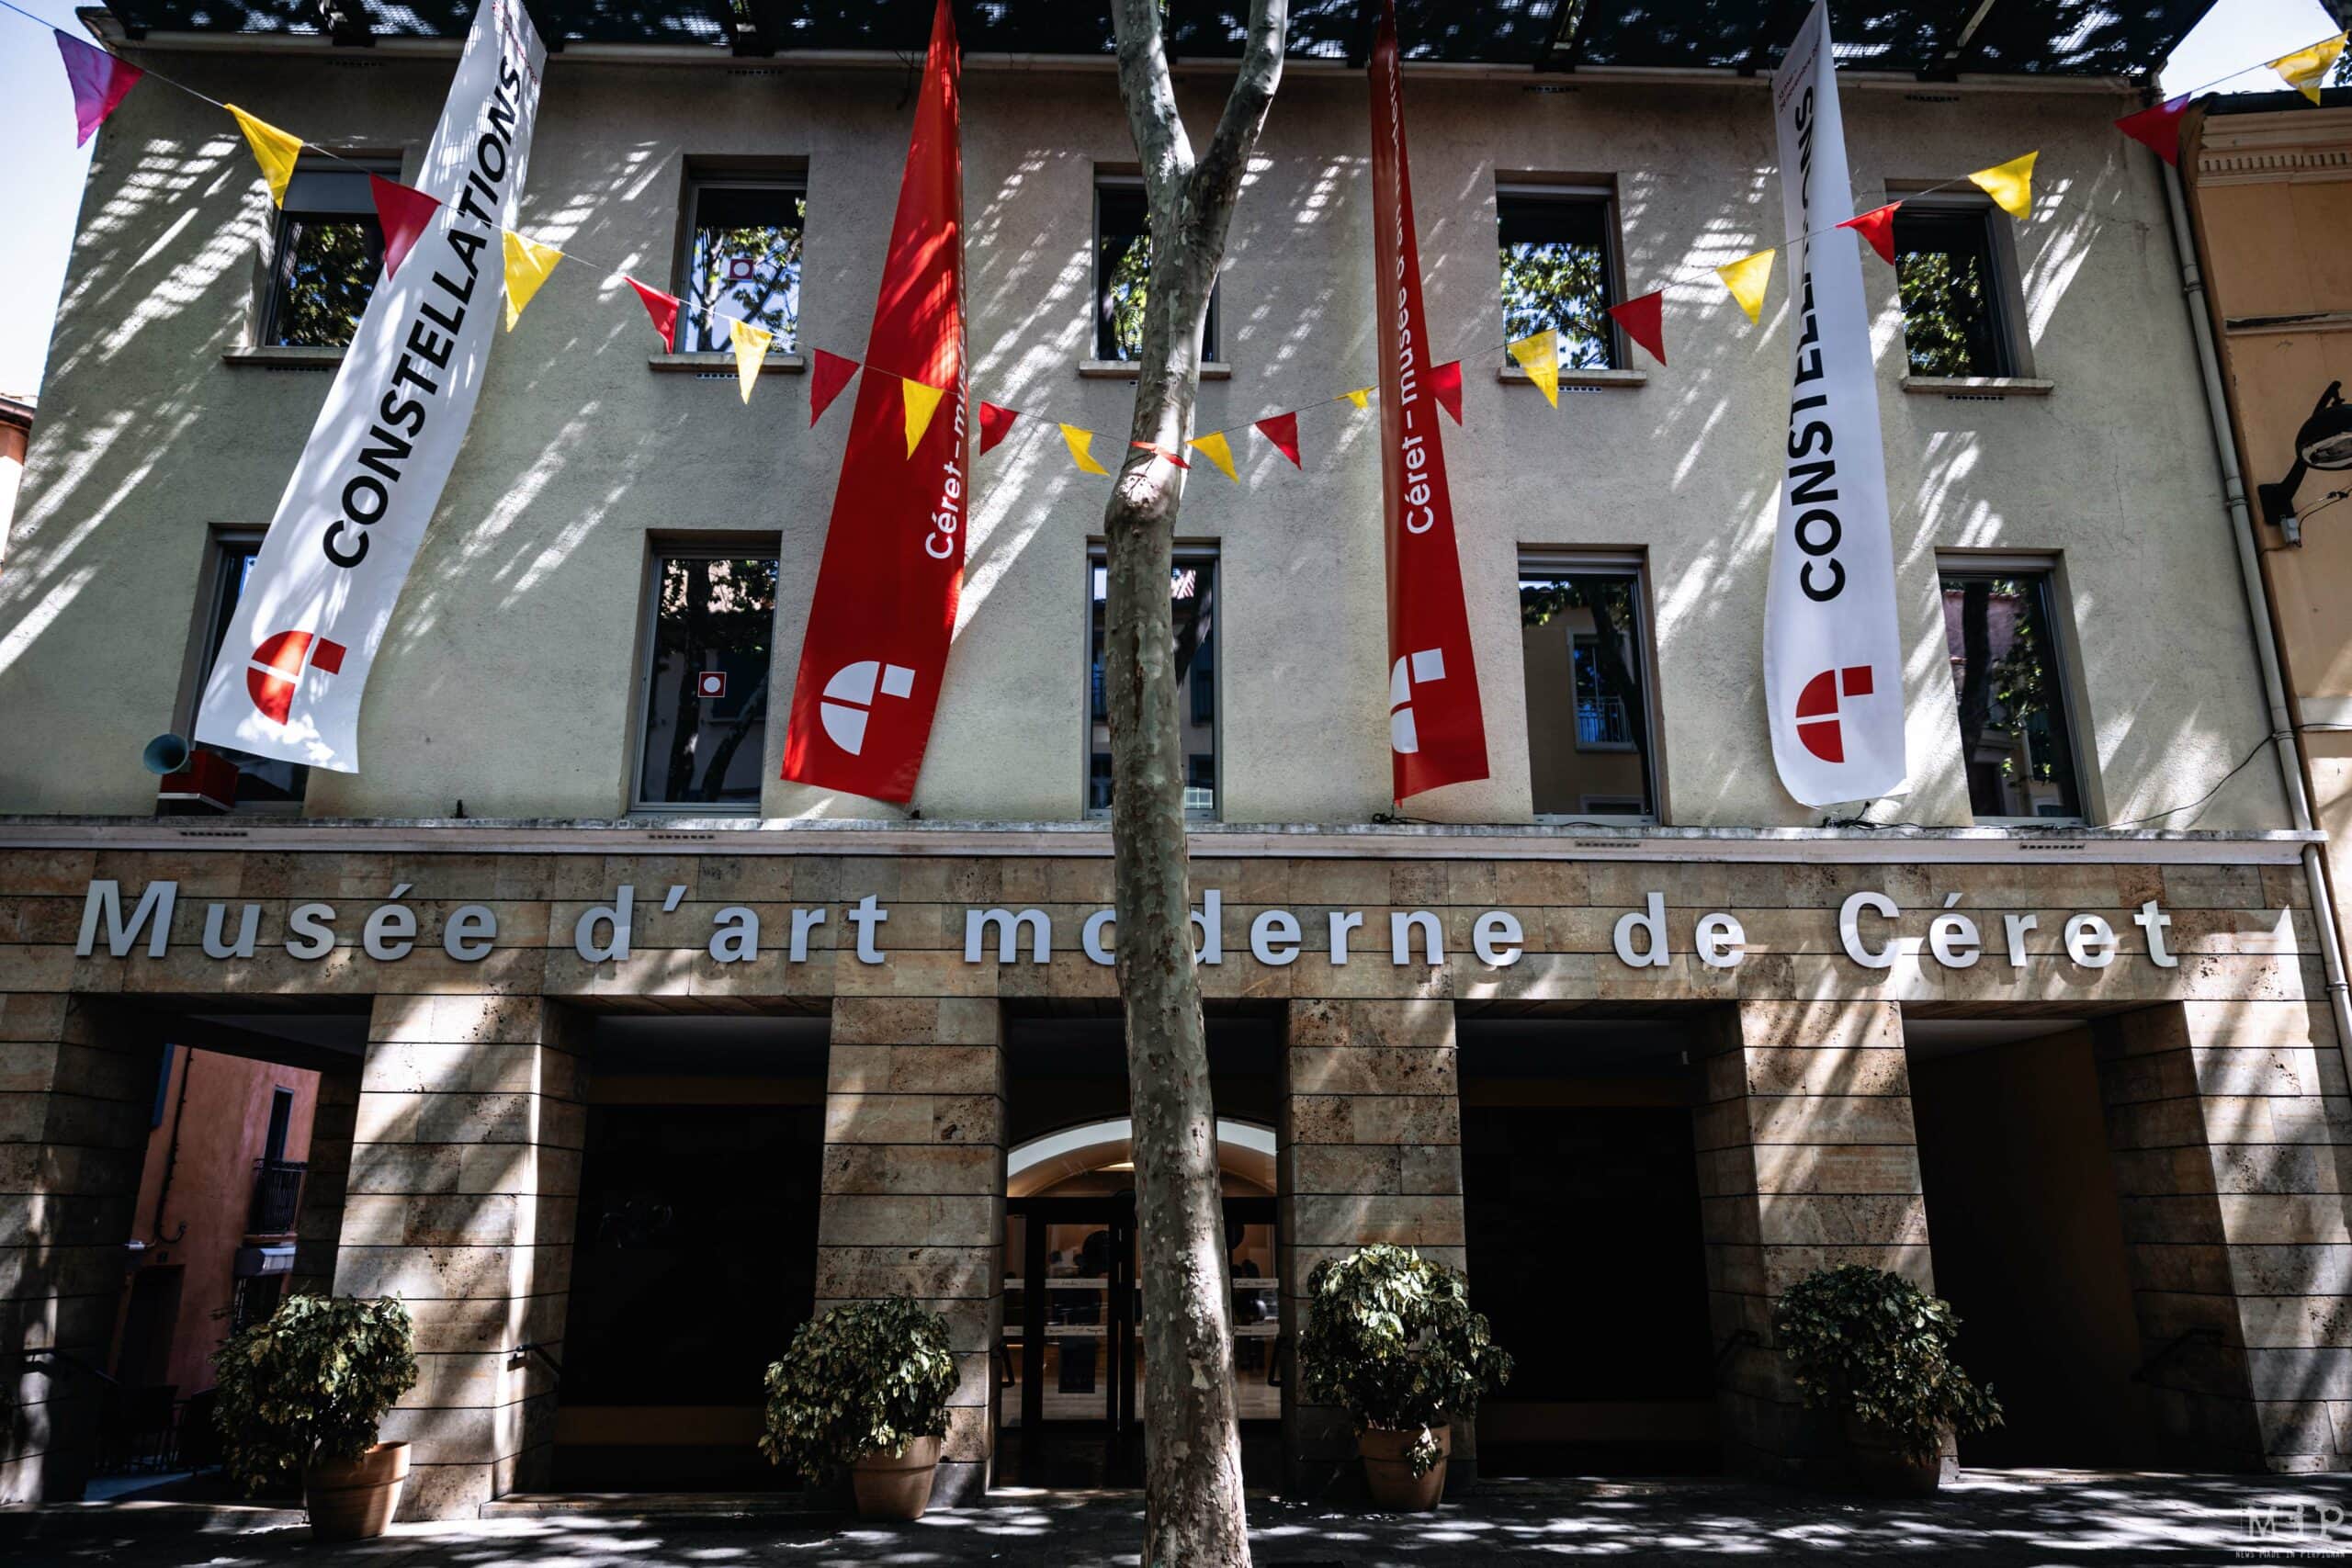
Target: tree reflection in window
x=1949, y=288
x=714, y=618
x=1556, y=274
x=2013, y=738
x=329, y=251
x=1122, y=272
x=743, y=261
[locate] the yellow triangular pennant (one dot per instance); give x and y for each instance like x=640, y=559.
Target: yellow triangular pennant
x=1082, y=443
x=2010, y=185
x=527, y=266
x=1746, y=278
x=922, y=402
x=1361, y=397
x=1540, y=358
x=274, y=149
x=1215, y=447
x=750, y=347
x=2306, y=68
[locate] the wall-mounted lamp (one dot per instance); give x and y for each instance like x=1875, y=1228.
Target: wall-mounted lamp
x=2325, y=443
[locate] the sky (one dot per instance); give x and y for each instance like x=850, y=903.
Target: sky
x=42, y=190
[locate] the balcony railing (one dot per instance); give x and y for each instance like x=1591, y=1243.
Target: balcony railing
x=278, y=1197
x=1603, y=722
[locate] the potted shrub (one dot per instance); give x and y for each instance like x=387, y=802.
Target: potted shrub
x=1391, y=1339
x=1875, y=1350
x=865, y=1388
x=303, y=1394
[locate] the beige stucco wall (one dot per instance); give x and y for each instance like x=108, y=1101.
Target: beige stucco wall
x=509, y=674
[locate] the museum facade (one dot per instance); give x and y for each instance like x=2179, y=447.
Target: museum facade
x=631, y=1054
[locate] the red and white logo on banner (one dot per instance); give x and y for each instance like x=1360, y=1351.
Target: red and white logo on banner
x=275, y=672
x=1437, y=731
x=894, y=550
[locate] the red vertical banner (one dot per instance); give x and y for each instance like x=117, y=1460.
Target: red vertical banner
x=885, y=605
x=1437, y=733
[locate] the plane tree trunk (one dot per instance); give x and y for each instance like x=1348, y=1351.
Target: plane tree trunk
x=1192, y=1453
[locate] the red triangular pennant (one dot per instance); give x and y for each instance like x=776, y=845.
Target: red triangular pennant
x=403, y=211
x=1445, y=386
x=99, y=81
x=1154, y=447
x=996, y=423
x=2157, y=127
x=826, y=379
x=1282, y=431
x=1877, y=226
x=663, y=308
x=1643, y=319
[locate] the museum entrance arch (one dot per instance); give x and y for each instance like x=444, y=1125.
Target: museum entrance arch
x=1069, y=1365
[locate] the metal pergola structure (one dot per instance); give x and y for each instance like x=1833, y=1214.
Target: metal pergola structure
x=1933, y=40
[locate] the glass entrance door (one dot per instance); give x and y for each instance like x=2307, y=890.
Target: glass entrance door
x=1070, y=1361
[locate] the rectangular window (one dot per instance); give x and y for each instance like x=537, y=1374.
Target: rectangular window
x=1192, y=604
x=2008, y=680
x=1949, y=268
x=712, y=621
x=1560, y=269
x=264, y=783
x=1123, y=270
x=1584, y=643
x=742, y=260
x=329, y=249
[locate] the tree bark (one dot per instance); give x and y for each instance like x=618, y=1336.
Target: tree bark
x=1194, y=1514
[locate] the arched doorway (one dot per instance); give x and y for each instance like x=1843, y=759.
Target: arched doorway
x=1069, y=1366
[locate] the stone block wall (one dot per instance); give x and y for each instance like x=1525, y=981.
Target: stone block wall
x=462, y=1200
x=1807, y=1160
x=1370, y=1151
x=2230, y=1126
x=76, y=1084
x=914, y=1188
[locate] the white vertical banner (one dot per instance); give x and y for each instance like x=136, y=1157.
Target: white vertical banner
x=1833, y=649
x=294, y=662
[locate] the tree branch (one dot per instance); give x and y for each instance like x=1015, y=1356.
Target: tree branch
x=1216, y=182
x=1150, y=97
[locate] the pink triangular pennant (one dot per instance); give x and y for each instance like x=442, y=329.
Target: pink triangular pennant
x=996, y=423
x=403, y=211
x=1643, y=319
x=2157, y=127
x=1877, y=226
x=826, y=379
x=1282, y=431
x=1154, y=447
x=1445, y=386
x=99, y=82
x=663, y=308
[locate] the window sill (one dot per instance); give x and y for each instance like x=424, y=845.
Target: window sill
x=1590, y=381
x=1977, y=386
x=723, y=360
x=1129, y=369
x=283, y=357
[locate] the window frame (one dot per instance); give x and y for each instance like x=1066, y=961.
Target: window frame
x=271, y=280
x=702, y=175
x=1113, y=179
x=1097, y=556
x=701, y=546
x=2010, y=338
x=1537, y=562
x=216, y=600
x=1585, y=189
x=2049, y=572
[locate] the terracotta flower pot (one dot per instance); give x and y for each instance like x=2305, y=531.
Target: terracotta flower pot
x=895, y=1486
x=1388, y=1468
x=353, y=1499
x=1883, y=1467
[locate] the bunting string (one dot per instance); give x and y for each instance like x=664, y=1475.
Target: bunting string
x=100, y=79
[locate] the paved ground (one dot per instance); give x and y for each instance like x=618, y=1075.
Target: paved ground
x=1988, y=1518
